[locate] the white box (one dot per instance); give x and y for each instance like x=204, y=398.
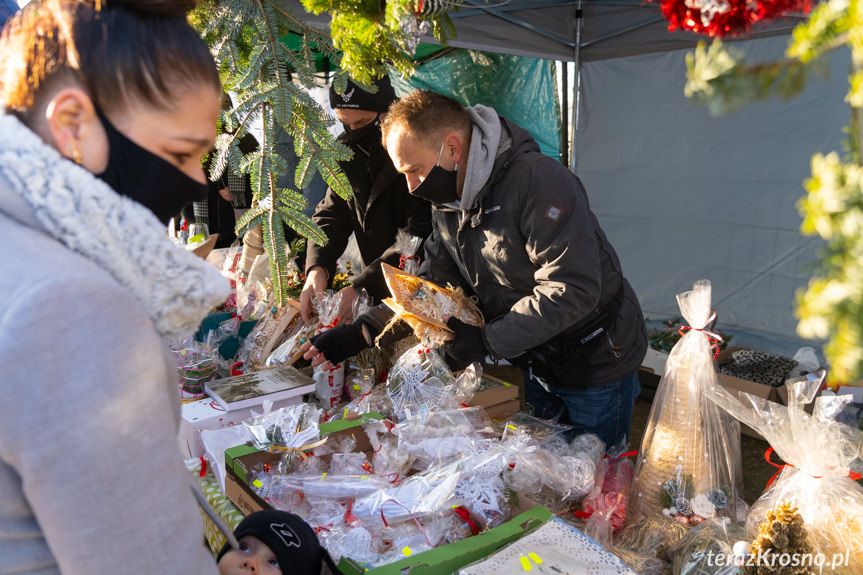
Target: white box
x=655, y=361
x=207, y=414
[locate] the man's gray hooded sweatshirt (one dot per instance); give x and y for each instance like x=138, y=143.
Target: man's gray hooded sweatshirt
x=524, y=241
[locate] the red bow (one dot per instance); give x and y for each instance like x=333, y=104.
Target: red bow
x=779, y=468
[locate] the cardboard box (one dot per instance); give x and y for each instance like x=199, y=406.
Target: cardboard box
x=206, y=413
x=493, y=391
x=501, y=411
x=753, y=388
x=450, y=558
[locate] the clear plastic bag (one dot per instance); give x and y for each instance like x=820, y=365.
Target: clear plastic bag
x=407, y=246
x=467, y=383
x=607, y=503
x=589, y=446
x=538, y=471
x=818, y=451
x=442, y=436
x=346, y=460
x=689, y=463
x=329, y=383
x=197, y=363
x=388, y=460
x=707, y=549
x=285, y=429
x=419, y=381
x=424, y=306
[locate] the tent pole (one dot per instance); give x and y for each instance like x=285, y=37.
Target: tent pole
x=576, y=98
x=564, y=114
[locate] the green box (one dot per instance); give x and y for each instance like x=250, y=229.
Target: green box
x=449, y=558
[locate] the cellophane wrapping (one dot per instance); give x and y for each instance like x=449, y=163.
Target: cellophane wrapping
x=688, y=468
x=407, y=246
x=699, y=552
x=419, y=381
x=197, y=363
x=817, y=451
x=608, y=500
x=543, y=466
x=329, y=383
x=426, y=306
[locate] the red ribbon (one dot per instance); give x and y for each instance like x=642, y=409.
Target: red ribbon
x=329, y=326
x=203, y=467
x=350, y=518
x=411, y=515
x=714, y=338
x=779, y=468
x=465, y=515
x=237, y=368
x=402, y=259
x=632, y=453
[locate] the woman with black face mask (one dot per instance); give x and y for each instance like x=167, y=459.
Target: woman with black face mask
x=108, y=108
x=380, y=206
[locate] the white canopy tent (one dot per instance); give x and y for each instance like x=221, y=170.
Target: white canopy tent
x=683, y=196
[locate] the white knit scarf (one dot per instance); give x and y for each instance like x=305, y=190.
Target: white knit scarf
x=121, y=236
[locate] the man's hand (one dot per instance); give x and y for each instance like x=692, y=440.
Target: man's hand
x=346, y=308
x=337, y=344
x=466, y=347
x=316, y=283
x=226, y=194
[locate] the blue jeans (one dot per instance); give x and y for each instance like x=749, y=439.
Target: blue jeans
x=605, y=410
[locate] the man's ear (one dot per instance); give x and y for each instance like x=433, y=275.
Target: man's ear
x=453, y=147
x=74, y=127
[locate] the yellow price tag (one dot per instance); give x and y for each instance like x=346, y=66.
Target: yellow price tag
x=535, y=558
x=510, y=426
x=407, y=551
x=257, y=483
x=357, y=386
x=525, y=563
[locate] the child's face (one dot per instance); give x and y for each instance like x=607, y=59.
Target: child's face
x=253, y=556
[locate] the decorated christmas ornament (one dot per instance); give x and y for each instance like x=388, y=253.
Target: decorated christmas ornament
x=726, y=17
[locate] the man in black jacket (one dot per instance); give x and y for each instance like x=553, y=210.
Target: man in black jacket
x=514, y=227
x=379, y=207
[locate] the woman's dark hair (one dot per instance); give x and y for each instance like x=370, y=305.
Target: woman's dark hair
x=119, y=51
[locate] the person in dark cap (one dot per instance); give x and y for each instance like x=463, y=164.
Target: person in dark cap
x=379, y=207
x=274, y=542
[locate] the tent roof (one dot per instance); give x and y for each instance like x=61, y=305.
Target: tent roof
x=7, y=9
x=547, y=28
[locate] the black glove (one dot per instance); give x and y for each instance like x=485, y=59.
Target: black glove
x=341, y=342
x=466, y=347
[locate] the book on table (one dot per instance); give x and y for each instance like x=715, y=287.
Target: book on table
x=250, y=389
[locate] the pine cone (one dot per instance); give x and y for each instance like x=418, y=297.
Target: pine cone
x=683, y=506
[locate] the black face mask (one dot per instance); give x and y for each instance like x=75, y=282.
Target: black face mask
x=367, y=137
x=440, y=186
x=145, y=177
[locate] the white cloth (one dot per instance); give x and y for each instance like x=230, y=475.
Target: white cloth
x=91, y=480
x=553, y=549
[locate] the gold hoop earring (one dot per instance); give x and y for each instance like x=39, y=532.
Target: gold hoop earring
x=73, y=153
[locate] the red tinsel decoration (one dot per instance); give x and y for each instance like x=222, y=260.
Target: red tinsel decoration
x=729, y=17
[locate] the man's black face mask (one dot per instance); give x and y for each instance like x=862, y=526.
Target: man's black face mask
x=440, y=186
x=366, y=137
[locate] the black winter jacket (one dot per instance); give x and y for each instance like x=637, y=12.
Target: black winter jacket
x=379, y=207
x=535, y=256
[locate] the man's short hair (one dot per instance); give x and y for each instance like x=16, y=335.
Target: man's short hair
x=427, y=116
